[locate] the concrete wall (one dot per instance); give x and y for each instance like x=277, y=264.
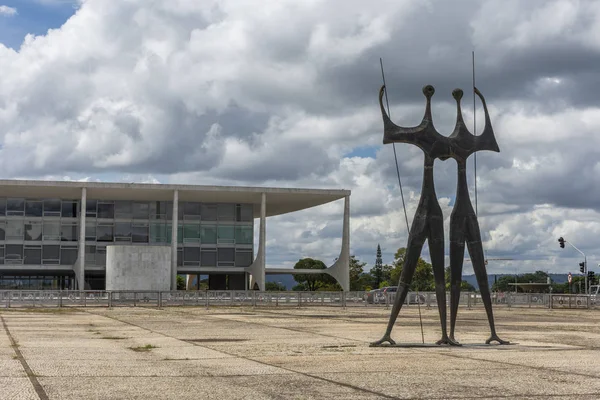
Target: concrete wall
x=138, y=267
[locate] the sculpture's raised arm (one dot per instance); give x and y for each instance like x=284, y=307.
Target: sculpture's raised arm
x=397, y=134
x=487, y=140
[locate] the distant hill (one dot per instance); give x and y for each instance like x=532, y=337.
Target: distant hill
x=286, y=280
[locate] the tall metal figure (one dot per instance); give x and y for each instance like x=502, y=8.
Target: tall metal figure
x=428, y=222
x=464, y=226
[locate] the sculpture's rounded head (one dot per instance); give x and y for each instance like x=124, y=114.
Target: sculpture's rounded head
x=457, y=94
x=428, y=91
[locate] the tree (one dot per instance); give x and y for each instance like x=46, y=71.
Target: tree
x=356, y=271
x=377, y=270
x=506, y=283
x=312, y=281
x=181, y=283
x=464, y=285
x=423, y=277
x=274, y=287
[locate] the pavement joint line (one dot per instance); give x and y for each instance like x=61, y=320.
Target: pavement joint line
x=32, y=378
x=346, y=385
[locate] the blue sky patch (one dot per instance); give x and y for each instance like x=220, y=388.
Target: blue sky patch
x=363, y=152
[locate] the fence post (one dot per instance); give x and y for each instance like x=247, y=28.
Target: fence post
x=206, y=299
x=110, y=299
x=344, y=300
x=159, y=299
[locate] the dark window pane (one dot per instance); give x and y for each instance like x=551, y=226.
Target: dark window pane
x=140, y=233
x=15, y=230
x=179, y=257
x=68, y=255
x=90, y=230
x=100, y=255
x=123, y=230
x=140, y=210
x=104, y=233
x=244, y=212
x=90, y=208
x=123, y=209
x=191, y=255
x=52, y=208
x=52, y=230
x=15, y=207
x=1, y=260
x=191, y=233
x=50, y=254
x=90, y=255
x=33, y=230
x=243, y=258
x=226, y=212
x=226, y=254
x=106, y=210
x=69, y=209
x=33, y=208
x=159, y=209
x=2, y=206
x=243, y=234
x=191, y=210
x=208, y=258
x=2, y=230
x=33, y=256
x=68, y=232
x=208, y=212
x=13, y=254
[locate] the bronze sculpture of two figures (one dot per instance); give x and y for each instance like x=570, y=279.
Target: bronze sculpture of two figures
x=428, y=220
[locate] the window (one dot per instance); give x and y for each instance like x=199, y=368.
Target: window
x=123, y=232
x=90, y=254
x=180, y=257
x=123, y=209
x=33, y=255
x=106, y=210
x=51, y=230
x=140, y=210
x=90, y=208
x=50, y=254
x=33, y=230
x=243, y=258
x=158, y=233
x=244, y=212
x=226, y=256
x=14, y=230
x=226, y=234
x=14, y=254
x=243, y=234
x=68, y=255
x=90, y=230
x=68, y=232
x=159, y=209
x=191, y=233
x=191, y=256
x=52, y=208
x=208, y=234
x=208, y=212
x=191, y=210
x=2, y=230
x=69, y=209
x=15, y=207
x=100, y=255
x=1, y=257
x=226, y=212
x=104, y=233
x=34, y=208
x=139, y=233
x=2, y=206
x=208, y=258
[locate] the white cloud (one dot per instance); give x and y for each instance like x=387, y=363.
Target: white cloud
x=8, y=11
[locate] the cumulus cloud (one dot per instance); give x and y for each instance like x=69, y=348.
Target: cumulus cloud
x=8, y=11
x=285, y=94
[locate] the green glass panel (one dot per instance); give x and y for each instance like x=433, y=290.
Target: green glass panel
x=191, y=232
x=243, y=234
x=158, y=233
x=208, y=234
x=226, y=233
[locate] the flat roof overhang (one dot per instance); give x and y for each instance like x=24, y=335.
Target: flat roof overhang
x=279, y=200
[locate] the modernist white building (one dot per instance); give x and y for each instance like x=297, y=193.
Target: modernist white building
x=55, y=234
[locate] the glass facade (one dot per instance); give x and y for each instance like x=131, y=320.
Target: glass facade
x=46, y=231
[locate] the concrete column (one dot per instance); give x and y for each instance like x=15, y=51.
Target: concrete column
x=257, y=269
x=340, y=270
x=174, y=226
x=81, y=249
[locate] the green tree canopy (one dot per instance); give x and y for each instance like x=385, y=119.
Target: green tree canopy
x=312, y=281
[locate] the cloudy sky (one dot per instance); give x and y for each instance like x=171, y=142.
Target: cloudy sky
x=284, y=93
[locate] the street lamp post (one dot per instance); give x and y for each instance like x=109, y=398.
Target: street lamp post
x=562, y=242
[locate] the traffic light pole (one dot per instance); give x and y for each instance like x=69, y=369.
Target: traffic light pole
x=584, y=263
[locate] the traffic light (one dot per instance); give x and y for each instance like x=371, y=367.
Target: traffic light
x=582, y=267
x=591, y=278
x=561, y=241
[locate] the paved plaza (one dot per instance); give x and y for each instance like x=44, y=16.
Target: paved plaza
x=291, y=353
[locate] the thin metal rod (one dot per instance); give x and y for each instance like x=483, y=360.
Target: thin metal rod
x=420, y=319
x=474, y=128
x=394, y=147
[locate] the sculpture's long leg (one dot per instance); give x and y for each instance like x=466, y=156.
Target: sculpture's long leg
x=457, y=254
x=478, y=260
x=436, y=252
x=416, y=240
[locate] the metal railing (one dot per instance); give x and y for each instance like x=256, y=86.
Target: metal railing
x=207, y=298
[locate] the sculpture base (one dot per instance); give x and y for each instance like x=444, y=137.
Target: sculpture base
x=427, y=345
